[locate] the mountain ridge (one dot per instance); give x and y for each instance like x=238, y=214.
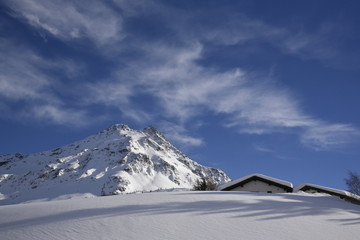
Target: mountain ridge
x=115, y=160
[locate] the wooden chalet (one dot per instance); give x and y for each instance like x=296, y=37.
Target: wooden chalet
x=258, y=183
x=312, y=188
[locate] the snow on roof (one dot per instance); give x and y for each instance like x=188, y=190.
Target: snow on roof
x=322, y=188
x=236, y=181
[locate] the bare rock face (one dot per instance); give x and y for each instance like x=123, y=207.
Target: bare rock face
x=113, y=161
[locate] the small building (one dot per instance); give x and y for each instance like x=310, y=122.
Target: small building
x=258, y=183
x=312, y=188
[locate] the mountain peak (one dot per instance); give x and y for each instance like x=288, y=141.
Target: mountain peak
x=155, y=134
x=117, y=128
x=115, y=160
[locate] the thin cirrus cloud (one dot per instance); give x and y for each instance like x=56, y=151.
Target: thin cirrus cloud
x=60, y=115
x=170, y=73
x=239, y=29
x=183, y=87
x=21, y=75
x=263, y=149
x=185, y=90
x=180, y=134
x=322, y=136
x=69, y=20
x=25, y=79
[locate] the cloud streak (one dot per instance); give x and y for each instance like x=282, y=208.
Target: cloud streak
x=69, y=20
x=26, y=81
x=21, y=76
x=172, y=72
x=57, y=114
x=185, y=91
x=263, y=149
x=322, y=136
x=180, y=134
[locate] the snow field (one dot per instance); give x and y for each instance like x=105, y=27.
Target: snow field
x=184, y=215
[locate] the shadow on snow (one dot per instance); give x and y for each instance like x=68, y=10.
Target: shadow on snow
x=288, y=206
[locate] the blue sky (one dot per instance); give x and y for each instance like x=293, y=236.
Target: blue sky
x=245, y=86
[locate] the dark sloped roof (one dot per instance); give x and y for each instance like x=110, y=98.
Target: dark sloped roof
x=331, y=191
x=287, y=186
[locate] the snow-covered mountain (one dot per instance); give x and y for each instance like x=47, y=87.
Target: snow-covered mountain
x=113, y=161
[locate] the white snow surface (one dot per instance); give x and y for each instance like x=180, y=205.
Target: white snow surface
x=282, y=182
x=113, y=161
x=184, y=215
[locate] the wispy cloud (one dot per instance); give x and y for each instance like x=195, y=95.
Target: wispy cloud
x=21, y=75
x=69, y=20
x=57, y=114
x=186, y=90
x=261, y=148
x=324, y=136
x=25, y=80
x=111, y=93
x=240, y=29
x=182, y=86
x=328, y=44
x=180, y=135
x=170, y=72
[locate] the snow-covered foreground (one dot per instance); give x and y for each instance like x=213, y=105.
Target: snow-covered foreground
x=184, y=215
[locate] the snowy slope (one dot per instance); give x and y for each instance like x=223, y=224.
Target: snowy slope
x=115, y=160
x=185, y=215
